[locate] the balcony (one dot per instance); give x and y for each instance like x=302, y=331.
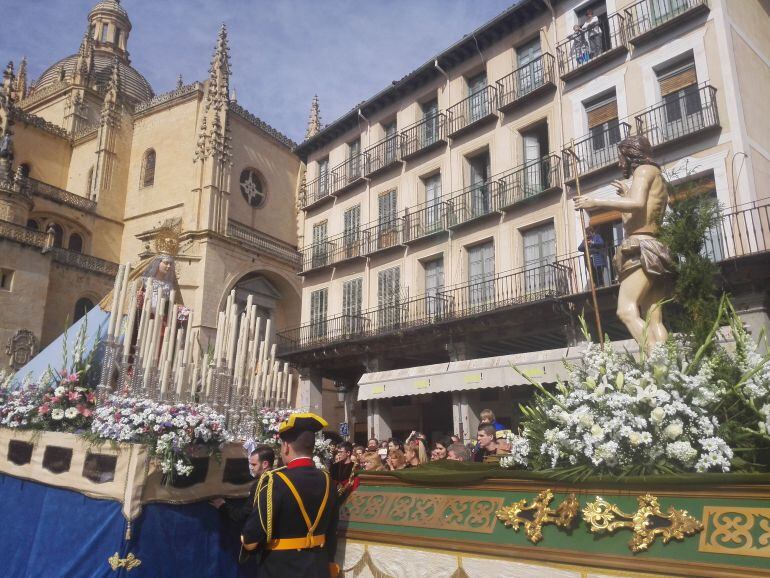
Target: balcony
x=529, y=181
x=315, y=192
x=743, y=233
x=575, y=54
x=472, y=111
x=383, y=236
x=348, y=174
x=60, y=196
x=263, y=243
x=384, y=155
x=430, y=219
x=526, y=82
x=473, y=203
x=683, y=114
x=651, y=18
x=596, y=152
x=317, y=256
x=423, y=136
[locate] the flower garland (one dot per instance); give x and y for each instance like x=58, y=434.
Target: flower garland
x=172, y=432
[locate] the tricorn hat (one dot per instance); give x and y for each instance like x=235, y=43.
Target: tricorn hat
x=296, y=423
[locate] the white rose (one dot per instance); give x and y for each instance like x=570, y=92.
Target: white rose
x=597, y=431
x=673, y=431
x=586, y=420
x=57, y=414
x=70, y=412
x=635, y=439
x=657, y=415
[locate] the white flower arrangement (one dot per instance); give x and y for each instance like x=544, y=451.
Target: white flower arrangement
x=170, y=431
x=519, y=456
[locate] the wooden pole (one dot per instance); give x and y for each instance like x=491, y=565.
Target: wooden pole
x=586, y=245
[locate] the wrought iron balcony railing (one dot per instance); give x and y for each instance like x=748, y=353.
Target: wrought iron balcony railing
x=681, y=114
x=383, y=235
x=347, y=174
x=528, y=181
x=383, y=155
x=316, y=191
x=424, y=135
x=742, y=232
x=429, y=219
x=597, y=151
x=472, y=110
x=526, y=81
x=473, y=202
x=317, y=255
x=647, y=18
x=586, y=49
x=348, y=245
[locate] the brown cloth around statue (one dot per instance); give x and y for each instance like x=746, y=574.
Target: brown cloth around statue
x=294, y=522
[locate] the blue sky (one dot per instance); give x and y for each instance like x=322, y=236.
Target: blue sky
x=283, y=51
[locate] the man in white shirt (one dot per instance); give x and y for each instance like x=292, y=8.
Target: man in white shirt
x=593, y=32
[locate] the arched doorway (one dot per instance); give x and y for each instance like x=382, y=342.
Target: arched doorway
x=265, y=295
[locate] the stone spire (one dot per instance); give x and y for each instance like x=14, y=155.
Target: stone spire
x=85, y=62
x=314, y=122
x=179, y=82
x=110, y=108
x=7, y=87
x=213, y=134
x=20, y=88
x=218, y=89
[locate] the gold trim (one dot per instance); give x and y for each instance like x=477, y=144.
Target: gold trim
x=736, y=531
x=562, y=556
x=474, y=514
x=129, y=562
x=537, y=515
x=647, y=523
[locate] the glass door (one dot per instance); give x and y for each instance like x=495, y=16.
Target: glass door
x=539, y=253
x=481, y=273
x=434, y=285
x=530, y=67
x=479, y=102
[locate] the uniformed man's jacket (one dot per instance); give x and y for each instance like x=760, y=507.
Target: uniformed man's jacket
x=288, y=521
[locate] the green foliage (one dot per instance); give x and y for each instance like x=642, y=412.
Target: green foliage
x=685, y=230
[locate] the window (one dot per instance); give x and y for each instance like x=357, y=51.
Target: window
x=529, y=74
x=434, y=285
x=6, y=279
x=432, y=186
x=148, y=169
x=390, y=146
x=352, y=231
x=479, y=98
x=118, y=35
x=252, y=189
x=679, y=90
x=431, y=129
x=351, y=305
x=481, y=273
x=75, y=243
x=58, y=234
x=82, y=307
x=386, y=220
x=479, y=170
x=354, y=156
x=105, y=31
x=388, y=298
x=603, y=128
x=539, y=253
x=318, y=304
x=323, y=176
x=320, y=246
x=535, y=147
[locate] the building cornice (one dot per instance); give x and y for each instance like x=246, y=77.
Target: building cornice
x=252, y=119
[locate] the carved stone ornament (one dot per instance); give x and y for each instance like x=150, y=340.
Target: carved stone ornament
x=21, y=348
x=129, y=562
x=539, y=514
x=646, y=523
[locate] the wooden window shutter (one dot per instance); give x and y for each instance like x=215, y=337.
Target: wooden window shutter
x=602, y=113
x=678, y=79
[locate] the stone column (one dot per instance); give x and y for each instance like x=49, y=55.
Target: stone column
x=462, y=413
x=378, y=419
x=310, y=394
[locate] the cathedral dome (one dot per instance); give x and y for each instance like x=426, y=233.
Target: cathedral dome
x=109, y=6
x=133, y=85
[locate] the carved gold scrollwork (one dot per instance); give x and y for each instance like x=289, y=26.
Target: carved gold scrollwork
x=647, y=522
x=537, y=515
x=129, y=562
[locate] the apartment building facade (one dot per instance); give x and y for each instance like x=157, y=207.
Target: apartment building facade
x=438, y=229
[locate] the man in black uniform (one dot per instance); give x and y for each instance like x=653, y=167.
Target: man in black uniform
x=235, y=512
x=294, y=522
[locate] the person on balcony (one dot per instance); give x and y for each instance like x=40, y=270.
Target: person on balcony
x=579, y=46
x=597, y=256
x=593, y=31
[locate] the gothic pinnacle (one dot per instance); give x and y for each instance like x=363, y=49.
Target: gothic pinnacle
x=314, y=122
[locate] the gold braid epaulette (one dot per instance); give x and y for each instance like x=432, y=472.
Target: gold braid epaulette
x=266, y=483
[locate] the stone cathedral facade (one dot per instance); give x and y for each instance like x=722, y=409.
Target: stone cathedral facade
x=93, y=164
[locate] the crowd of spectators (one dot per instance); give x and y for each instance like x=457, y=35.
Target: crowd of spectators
x=394, y=454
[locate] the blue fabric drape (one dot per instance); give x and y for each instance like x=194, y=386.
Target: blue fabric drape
x=51, y=532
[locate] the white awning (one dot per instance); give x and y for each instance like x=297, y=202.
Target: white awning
x=545, y=366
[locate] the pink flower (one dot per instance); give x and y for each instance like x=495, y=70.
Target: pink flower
x=90, y=397
x=55, y=399
x=73, y=395
x=84, y=411
x=43, y=409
